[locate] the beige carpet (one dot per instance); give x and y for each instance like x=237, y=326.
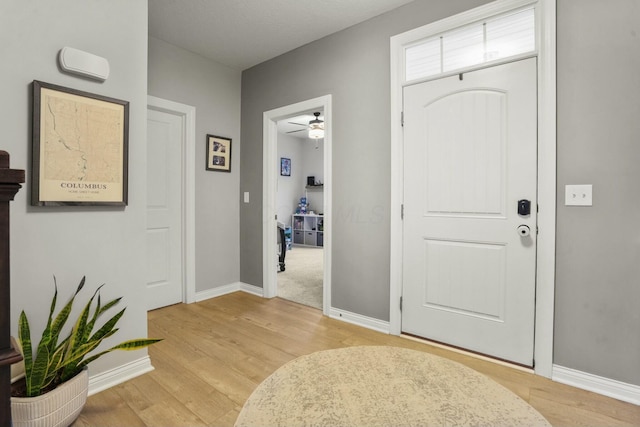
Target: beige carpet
x=302, y=279
x=382, y=386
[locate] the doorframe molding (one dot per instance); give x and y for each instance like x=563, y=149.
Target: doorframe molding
x=188, y=115
x=269, y=191
x=545, y=266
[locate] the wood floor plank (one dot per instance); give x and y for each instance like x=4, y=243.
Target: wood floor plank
x=228, y=381
x=190, y=388
x=217, y=351
x=166, y=414
x=108, y=410
x=588, y=403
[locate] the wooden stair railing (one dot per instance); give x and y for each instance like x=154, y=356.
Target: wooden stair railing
x=10, y=180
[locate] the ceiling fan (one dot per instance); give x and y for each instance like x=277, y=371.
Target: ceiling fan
x=315, y=127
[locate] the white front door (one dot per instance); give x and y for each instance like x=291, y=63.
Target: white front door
x=164, y=209
x=470, y=156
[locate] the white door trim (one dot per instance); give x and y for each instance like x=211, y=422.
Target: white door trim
x=545, y=269
x=188, y=114
x=269, y=183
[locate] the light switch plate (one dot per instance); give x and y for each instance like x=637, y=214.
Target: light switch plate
x=578, y=195
x=246, y=197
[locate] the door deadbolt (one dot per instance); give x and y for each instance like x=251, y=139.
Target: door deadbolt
x=524, y=207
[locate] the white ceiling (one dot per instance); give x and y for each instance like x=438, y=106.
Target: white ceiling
x=243, y=33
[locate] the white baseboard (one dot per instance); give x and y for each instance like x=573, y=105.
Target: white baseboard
x=601, y=385
x=227, y=289
x=107, y=379
x=252, y=289
x=217, y=292
x=360, y=320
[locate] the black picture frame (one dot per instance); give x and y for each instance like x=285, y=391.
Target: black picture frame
x=218, y=153
x=285, y=166
x=80, y=148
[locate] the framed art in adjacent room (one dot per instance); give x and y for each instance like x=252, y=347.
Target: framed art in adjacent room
x=79, y=148
x=285, y=166
x=218, y=153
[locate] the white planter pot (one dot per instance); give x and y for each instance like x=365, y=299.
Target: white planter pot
x=57, y=408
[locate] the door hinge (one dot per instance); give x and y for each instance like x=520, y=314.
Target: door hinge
x=402, y=211
x=402, y=118
x=400, y=303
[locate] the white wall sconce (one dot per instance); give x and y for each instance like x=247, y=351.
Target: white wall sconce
x=82, y=63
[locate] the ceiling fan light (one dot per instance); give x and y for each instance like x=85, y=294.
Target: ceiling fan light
x=316, y=130
x=316, y=127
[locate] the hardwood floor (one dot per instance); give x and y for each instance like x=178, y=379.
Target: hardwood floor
x=217, y=351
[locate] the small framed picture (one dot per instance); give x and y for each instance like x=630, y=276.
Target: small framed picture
x=285, y=166
x=218, y=153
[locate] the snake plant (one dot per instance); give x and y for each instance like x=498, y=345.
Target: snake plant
x=56, y=361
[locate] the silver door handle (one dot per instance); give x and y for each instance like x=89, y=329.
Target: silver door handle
x=524, y=230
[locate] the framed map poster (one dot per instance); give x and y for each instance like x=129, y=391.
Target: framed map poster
x=218, y=153
x=80, y=148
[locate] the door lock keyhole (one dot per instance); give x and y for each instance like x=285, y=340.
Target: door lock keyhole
x=524, y=230
x=524, y=207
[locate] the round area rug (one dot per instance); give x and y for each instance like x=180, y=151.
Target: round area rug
x=382, y=386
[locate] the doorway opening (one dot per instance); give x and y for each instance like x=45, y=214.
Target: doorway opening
x=291, y=201
x=300, y=210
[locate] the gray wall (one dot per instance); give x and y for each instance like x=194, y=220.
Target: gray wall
x=353, y=66
x=597, y=324
x=105, y=244
x=181, y=76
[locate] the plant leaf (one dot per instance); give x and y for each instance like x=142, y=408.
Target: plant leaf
x=96, y=313
x=24, y=335
x=135, y=344
x=108, y=305
x=53, y=302
x=79, y=332
x=130, y=345
x=108, y=326
x=99, y=310
x=89, y=326
x=63, y=315
x=39, y=372
x=55, y=360
x=70, y=366
x=53, y=368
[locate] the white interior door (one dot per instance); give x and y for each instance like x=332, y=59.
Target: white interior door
x=164, y=209
x=470, y=154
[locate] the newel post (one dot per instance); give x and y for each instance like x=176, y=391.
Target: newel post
x=10, y=180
